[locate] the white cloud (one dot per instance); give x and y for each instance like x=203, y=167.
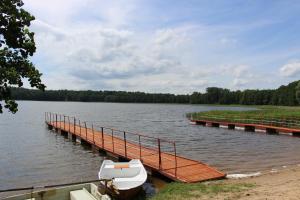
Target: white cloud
x=291, y=69
x=100, y=55
x=240, y=83
x=240, y=71
x=236, y=71
x=71, y=12
x=98, y=44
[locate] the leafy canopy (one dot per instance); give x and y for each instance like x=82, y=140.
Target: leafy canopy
x=298, y=92
x=16, y=47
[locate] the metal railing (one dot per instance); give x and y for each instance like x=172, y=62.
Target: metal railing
x=124, y=143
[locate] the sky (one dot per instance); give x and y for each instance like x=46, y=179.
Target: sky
x=168, y=46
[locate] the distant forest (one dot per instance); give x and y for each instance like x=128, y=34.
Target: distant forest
x=284, y=95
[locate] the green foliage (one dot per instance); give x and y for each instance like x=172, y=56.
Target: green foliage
x=96, y=96
x=298, y=92
x=16, y=46
x=197, y=190
x=285, y=95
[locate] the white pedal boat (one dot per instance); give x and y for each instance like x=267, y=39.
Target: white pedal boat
x=88, y=191
x=127, y=178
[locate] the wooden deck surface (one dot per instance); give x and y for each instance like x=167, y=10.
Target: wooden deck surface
x=187, y=170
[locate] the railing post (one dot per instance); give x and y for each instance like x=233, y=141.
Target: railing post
x=60, y=121
x=112, y=139
x=140, y=147
x=79, y=128
x=69, y=124
x=159, y=153
x=50, y=117
x=55, y=120
x=93, y=133
x=175, y=159
x=64, y=122
x=125, y=143
x=102, y=137
x=85, y=131
x=74, y=125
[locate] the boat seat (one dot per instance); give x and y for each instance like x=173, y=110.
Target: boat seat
x=81, y=195
x=120, y=166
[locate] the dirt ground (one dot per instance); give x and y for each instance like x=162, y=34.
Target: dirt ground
x=281, y=185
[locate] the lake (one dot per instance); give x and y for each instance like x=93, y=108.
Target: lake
x=30, y=154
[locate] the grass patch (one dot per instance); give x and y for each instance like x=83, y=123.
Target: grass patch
x=271, y=115
x=178, y=191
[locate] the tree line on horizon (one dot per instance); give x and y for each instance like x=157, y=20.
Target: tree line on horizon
x=288, y=95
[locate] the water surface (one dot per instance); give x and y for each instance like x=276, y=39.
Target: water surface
x=32, y=155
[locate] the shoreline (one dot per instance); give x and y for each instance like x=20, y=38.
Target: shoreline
x=274, y=170
x=282, y=184
x=270, y=185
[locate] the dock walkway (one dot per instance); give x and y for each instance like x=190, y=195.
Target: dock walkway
x=251, y=126
x=156, y=154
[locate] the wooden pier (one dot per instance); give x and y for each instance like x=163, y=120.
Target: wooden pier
x=262, y=126
x=158, y=155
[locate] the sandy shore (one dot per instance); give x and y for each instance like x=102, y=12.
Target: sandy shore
x=281, y=185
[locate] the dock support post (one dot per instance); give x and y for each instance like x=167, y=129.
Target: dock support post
x=297, y=134
x=203, y=123
x=271, y=131
x=159, y=153
x=73, y=137
x=50, y=127
x=231, y=126
x=125, y=144
x=215, y=124
x=250, y=128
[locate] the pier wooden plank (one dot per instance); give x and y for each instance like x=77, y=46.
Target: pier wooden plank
x=185, y=170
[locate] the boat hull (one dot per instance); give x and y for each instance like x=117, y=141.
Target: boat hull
x=120, y=194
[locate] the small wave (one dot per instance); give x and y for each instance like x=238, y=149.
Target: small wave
x=274, y=171
x=237, y=176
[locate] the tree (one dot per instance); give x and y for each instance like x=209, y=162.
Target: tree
x=298, y=92
x=16, y=47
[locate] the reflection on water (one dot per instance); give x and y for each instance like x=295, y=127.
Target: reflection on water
x=32, y=155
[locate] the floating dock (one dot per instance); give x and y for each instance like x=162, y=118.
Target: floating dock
x=158, y=155
x=269, y=128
